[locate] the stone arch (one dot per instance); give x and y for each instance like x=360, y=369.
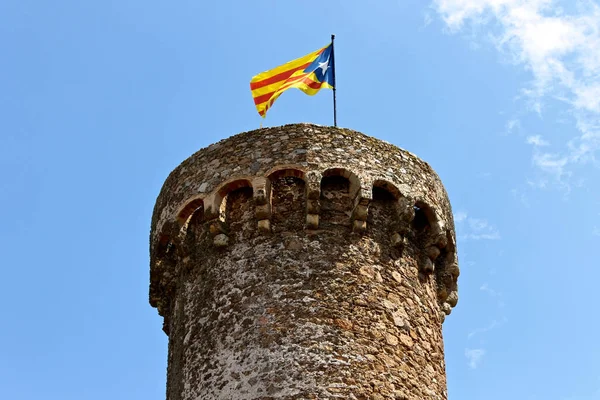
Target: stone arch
x=188, y=209
x=446, y=268
x=285, y=171
x=217, y=206
x=387, y=186
x=167, y=242
x=437, y=253
x=236, y=208
x=162, y=259
x=288, y=199
x=383, y=214
x=424, y=219
x=339, y=189
x=191, y=212
x=163, y=247
x=353, y=179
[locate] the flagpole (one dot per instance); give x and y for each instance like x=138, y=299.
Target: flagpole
x=333, y=67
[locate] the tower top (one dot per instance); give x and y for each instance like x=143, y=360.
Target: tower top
x=308, y=151
x=303, y=261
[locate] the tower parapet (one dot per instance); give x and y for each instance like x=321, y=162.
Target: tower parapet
x=303, y=262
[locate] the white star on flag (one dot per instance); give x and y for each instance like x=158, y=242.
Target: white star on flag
x=324, y=65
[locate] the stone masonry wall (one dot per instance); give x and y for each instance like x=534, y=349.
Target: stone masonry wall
x=304, y=262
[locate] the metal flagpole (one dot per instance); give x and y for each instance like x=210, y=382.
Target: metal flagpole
x=333, y=68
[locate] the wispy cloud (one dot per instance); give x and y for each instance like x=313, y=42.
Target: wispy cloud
x=470, y=228
x=495, y=294
x=488, y=290
x=513, y=125
x=460, y=216
x=492, y=325
x=474, y=357
x=562, y=53
x=521, y=197
x=552, y=164
x=537, y=141
x=596, y=231
x=427, y=19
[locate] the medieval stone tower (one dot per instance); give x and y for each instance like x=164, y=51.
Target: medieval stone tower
x=303, y=262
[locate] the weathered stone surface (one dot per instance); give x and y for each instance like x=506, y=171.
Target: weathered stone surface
x=452, y=298
x=359, y=226
x=312, y=221
x=446, y=308
x=397, y=240
x=313, y=206
x=221, y=240
x=264, y=226
x=330, y=303
x=263, y=211
x=433, y=252
x=427, y=265
x=391, y=339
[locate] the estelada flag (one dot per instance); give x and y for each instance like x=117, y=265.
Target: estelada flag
x=309, y=74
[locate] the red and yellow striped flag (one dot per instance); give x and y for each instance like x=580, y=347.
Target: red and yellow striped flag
x=309, y=74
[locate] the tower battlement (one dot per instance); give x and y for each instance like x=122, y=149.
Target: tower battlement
x=284, y=240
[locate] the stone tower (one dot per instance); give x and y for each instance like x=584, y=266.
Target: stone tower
x=303, y=262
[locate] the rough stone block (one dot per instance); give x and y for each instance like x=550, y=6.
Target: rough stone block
x=452, y=298
x=363, y=197
x=454, y=270
x=446, y=308
x=360, y=212
x=216, y=227
x=359, y=226
x=397, y=277
x=433, y=252
x=263, y=211
x=221, y=240
x=427, y=266
x=312, y=221
x=264, y=226
x=442, y=293
x=313, y=206
x=211, y=207
x=313, y=185
x=397, y=240
x=440, y=239
x=262, y=190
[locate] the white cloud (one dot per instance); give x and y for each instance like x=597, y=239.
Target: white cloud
x=512, y=125
x=537, y=141
x=470, y=228
x=460, y=216
x=427, y=19
x=499, y=302
x=474, y=228
x=562, y=53
x=478, y=224
x=596, y=231
x=540, y=184
x=521, y=197
x=494, y=324
x=490, y=291
x=474, y=357
x=553, y=164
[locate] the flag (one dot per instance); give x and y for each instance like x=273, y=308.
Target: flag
x=309, y=74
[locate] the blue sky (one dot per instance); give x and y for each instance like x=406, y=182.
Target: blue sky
x=101, y=100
